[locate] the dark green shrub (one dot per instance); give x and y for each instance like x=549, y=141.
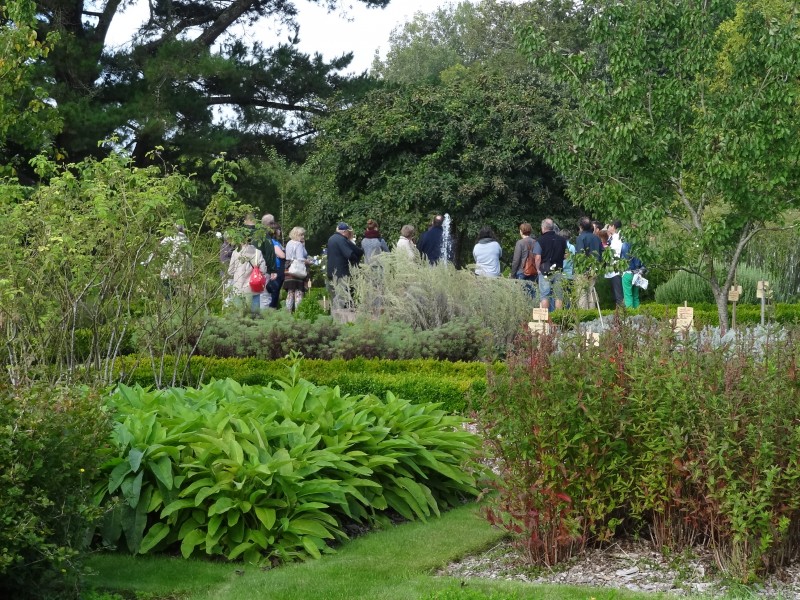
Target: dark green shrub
x=684, y=443
x=48, y=454
x=271, y=473
x=275, y=334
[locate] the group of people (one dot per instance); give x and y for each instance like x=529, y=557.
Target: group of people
x=285, y=268
x=548, y=261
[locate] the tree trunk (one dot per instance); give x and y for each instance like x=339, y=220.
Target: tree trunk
x=721, y=297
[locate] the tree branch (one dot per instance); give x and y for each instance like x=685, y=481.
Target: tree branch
x=225, y=19
x=246, y=101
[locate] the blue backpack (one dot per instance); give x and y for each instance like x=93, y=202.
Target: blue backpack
x=634, y=264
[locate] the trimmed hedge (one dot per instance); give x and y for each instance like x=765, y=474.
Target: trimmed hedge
x=704, y=313
x=453, y=384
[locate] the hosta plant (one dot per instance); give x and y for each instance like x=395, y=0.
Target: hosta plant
x=273, y=473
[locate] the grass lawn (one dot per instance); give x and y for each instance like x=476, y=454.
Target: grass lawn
x=395, y=564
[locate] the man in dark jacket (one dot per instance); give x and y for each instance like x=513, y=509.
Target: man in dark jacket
x=587, y=244
x=554, y=247
x=430, y=242
x=342, y=254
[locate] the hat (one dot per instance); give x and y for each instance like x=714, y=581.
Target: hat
x=342, y=226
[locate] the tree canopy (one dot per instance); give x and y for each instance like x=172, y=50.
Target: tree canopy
x=185, y=63
x=459, y=126
x=686, y=110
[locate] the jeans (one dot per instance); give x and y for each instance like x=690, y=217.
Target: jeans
x=529, y=287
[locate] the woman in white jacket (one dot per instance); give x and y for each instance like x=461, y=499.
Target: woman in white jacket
x=405, y=245
x=241, y=267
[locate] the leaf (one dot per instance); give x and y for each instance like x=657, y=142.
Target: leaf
x=135, y=458
x=266, y=516
x=310, y=544
x=176, y=505
x=222, y=505
x=133, y=523
x=132, y=489
x=309, y=527
x=192, y=539
x=155, y=535
x=162, y=469
x=238, y=550
x=118, y=476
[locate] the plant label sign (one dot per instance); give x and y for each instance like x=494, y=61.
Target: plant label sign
x=734, y=293
x=684, y=319
x=539, y=322
x=763, y=290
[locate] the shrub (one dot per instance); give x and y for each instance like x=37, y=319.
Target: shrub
x=48, y=453
x=275, y=334
x=271, y=473
x=426, y=297
x=311, y=307
x=452, y=384
x=650, y=434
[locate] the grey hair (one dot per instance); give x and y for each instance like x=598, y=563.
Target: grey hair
x=407, y=230
x=548, y=225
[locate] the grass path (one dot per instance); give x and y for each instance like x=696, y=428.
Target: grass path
x=395, y=564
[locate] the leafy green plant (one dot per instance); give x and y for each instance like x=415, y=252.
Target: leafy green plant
x=48, y=456
x=689, y=443
x=273, y=473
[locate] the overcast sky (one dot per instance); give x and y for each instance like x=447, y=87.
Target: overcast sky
x=352, y=27
x=358, y=29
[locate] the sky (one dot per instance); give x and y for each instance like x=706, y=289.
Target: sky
x=361, y=30
x=351, y=28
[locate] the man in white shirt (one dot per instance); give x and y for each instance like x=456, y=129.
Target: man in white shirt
x=615, y=243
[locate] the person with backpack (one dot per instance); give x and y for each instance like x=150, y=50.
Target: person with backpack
x=247, y=286
x=527, y=258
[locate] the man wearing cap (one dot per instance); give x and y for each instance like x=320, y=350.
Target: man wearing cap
x=342, y=252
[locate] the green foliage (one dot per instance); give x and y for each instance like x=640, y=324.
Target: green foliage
x=688, y=287
x=427, y=298
x=276, y=333
x=85, y=275
x=48, y=455
x=648, y=434
x=468, y=146
x=102, y=87
x=311, y=307
x=663, y=97
x=27, y=119
x=452, y=384
x=273, y=473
